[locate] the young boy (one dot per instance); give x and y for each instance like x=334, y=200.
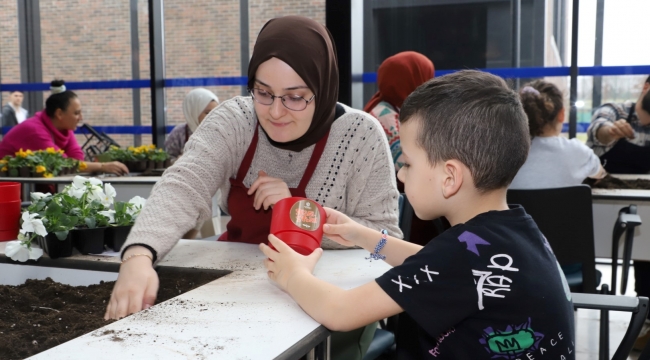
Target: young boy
x=489, y=287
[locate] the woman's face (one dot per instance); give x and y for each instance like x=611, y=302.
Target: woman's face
x=71, y=117
x=213, y=104
x=276, y=77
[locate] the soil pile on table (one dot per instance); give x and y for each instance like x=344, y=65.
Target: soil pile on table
x=42, y=314
x=610, y=182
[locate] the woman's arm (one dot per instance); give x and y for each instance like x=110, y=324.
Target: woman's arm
x=372, y=196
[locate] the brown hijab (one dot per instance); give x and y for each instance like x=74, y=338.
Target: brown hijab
x=308, y=48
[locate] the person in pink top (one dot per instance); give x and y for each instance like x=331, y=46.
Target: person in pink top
x=54, y=127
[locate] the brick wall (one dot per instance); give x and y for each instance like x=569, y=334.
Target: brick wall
x=202, y=39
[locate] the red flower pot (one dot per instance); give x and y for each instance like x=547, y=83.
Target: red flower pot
x=9, y=191
x=299, y=223
x=9, y=215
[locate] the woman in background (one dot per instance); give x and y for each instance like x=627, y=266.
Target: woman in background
x=196, y=106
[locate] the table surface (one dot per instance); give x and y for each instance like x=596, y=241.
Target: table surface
x=130, y=179
x=239, y=316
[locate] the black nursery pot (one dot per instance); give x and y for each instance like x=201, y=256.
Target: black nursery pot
x=115, y=236
x=54, y=247
x=89, y=241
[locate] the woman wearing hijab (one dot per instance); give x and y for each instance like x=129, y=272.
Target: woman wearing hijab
x=196, y=106
x=397, y=77
x=289, y=138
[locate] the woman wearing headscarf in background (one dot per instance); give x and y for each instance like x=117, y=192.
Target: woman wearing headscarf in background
x=397, y=77
x=196, y=106
x=290, y=138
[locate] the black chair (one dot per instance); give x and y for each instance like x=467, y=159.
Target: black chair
x=96, y=143
x=565, y=217
x=638, y=306
x=625, y=223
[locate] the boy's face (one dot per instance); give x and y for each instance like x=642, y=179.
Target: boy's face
x=422, y=182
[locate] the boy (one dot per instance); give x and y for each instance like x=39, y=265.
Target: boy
x=489, y=287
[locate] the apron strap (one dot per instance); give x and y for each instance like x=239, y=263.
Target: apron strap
x=313, y=162
x=248, y=158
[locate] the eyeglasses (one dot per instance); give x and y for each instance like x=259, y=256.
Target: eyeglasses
x=291, y=102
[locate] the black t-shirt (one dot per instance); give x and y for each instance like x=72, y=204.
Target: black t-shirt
x=487, y=289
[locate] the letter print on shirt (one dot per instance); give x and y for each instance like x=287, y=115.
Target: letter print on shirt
x=488, y=284
x=471, y=240
x=512, y=342
x=415, y=278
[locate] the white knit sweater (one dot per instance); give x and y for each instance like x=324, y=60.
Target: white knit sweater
x=355, y=174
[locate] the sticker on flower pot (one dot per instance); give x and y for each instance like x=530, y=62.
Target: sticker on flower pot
x=305, y=215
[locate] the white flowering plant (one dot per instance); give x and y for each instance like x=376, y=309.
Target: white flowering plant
x=88, y=199
x=124, y=213
x=22, y=250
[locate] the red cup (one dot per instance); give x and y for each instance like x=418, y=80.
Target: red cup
x=8, y=235
x=9, y=191
x=299, y=223
x=10, y=215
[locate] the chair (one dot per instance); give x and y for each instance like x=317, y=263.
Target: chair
x=638, y=306
x=564, y=216
x=96, y=143
x=625, y=223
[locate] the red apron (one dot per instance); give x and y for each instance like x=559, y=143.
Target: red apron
x=247, y=224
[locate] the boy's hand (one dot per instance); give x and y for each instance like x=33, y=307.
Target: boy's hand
x=285, y=262
x=341, y=228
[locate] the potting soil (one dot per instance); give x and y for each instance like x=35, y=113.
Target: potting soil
x=42, y=314
x=610, y=182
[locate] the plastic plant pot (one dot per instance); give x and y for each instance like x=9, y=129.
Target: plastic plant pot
x=89, y=241
x=9, y=219
x=115, y=236
x=54, y=247
x=9, y=191
x=299, y=223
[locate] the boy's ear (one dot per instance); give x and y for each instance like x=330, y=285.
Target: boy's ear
x=453, y=178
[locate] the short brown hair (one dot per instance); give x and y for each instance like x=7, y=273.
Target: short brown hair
x=473, y=117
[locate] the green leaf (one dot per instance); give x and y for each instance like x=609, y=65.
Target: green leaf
x=61, y=235
x=90, y=222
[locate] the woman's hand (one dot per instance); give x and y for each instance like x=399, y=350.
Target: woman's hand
x=284, y=262
x=268, y=191
x=341, y=228
x=114, y=167
x=136, y=286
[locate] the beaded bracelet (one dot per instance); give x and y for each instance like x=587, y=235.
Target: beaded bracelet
x=380, y=245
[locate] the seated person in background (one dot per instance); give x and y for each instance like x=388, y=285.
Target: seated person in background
x=54, y=127
x=553, y=161
x=397, y=77
x=487, y=284
x=620, y=135
x=196, y=106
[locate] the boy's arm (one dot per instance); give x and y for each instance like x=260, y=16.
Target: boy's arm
x=346, y=231
x=338, y=309
x=331, y=306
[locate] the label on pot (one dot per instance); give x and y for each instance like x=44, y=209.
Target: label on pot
x=305, y=215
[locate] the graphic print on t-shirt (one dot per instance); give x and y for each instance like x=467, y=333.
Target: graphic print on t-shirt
x=470, y=294
x=511, y=342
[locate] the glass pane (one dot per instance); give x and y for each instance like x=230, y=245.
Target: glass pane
x=98, y=48
x=10, y=54
x=625, y=26
x=201, y=41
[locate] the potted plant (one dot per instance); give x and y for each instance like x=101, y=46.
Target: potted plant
x=54, y=210
x=21, y=164
x=22, y=249
x=91, y=197
x=121, y=221
x=4, y=166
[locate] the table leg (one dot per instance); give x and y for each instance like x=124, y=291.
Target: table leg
x=321, y=351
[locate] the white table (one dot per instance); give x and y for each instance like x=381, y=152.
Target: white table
x=606, y=204
x=239, y=316
x=126, y=186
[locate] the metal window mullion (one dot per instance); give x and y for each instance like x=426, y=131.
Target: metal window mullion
x=157, y=67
